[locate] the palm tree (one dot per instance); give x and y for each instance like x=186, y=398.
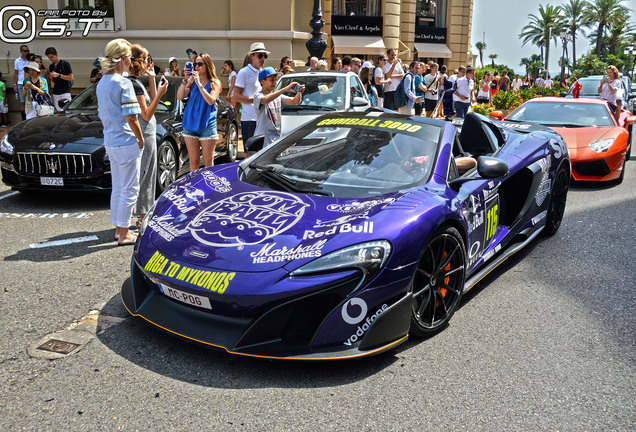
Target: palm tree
x=492, y=57
x=525, y=62
x=605, y=13
x=481, y=47
x=573, y=17
x=543, y=28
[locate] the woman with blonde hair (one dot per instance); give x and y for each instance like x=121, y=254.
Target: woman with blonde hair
x=199, y=117
x=123, y=140
x=148, y=102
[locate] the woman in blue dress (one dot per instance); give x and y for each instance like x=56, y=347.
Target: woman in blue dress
x=202, y=88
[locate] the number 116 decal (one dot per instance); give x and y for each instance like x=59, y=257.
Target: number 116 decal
x=492, y=218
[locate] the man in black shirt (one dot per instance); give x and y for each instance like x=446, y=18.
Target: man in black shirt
x=62, y=76
x=96, y=73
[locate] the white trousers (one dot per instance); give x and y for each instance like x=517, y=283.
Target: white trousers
x=58, y=98
x=124, y=171
x=406, y=110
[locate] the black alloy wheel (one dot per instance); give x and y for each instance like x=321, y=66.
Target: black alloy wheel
x=231, y=143
x=558, y=197
x=166, y=166
x=438, y=283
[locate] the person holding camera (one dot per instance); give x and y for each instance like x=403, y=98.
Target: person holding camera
x=139, y=65
x=202, y=87
x=433, y=83
x=268, y=104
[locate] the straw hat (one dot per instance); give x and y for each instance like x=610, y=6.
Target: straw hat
x=258, y=47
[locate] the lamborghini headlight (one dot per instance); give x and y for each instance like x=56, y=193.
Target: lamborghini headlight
x=602, y=146
x=5, y=146
x=369, y=257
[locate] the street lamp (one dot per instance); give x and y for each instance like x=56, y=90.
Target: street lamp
x=565, y=38
x=631, y=50
x=316, y=46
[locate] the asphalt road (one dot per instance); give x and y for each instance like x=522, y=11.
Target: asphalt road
x=546, y=342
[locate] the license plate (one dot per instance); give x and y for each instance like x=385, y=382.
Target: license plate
x=52, y=181
x=184, y=297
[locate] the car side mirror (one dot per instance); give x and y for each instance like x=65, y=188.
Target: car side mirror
x=630, y=120
x=490, y=167
x=359, y=102
x=255, y=143
x=487, y=168
x=497, y=115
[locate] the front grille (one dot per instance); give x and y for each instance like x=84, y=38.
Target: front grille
x=54, y=164
x=597, y=168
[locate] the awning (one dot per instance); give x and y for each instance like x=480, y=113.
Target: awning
x=433, y=50
x=358, y=45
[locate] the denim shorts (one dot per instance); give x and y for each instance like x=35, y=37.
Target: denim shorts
x=205, y=134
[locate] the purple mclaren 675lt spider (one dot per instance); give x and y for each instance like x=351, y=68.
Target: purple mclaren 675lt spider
x=346, y=236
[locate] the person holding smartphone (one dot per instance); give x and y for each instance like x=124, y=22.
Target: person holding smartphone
x=148, y=102
x=199, y=117
x=268, y=104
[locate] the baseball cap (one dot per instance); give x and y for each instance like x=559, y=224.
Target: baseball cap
x=265, y=72
x=368, y=65
x=190, y=51
x=97, y=62
x=170, y=59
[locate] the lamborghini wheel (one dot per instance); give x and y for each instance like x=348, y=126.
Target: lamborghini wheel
x=558, y=197
x=438, y=283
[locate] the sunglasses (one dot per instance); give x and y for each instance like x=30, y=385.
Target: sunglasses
x=198, y=64
x=261, y=55
x=24, y=50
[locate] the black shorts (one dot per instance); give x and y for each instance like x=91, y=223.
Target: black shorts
x=430, y=104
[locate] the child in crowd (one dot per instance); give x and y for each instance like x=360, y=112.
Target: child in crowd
x=4, y=121
x=268, y=104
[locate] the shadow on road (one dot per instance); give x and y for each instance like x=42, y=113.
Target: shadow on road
x=105, y=240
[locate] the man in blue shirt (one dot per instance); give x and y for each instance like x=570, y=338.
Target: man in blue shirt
x=409, y=89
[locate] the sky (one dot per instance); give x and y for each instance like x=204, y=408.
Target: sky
x=502, y=21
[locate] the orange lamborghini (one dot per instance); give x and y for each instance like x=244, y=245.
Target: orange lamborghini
x=598, y=144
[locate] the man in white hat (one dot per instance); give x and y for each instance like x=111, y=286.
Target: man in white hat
x=247, y=85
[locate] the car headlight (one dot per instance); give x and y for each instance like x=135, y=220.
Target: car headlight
x=146, y=219
x=5, y=146
x=602, y=145
x=369, y=257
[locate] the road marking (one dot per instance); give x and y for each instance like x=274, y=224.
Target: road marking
x=8, y=195
x=64, y=242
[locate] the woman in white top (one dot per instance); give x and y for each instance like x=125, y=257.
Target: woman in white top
x=229, y=72
x=610, y=86
x=483, y=95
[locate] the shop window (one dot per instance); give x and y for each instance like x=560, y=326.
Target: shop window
x=431, y=13
x=370, y=8
x=101, y=5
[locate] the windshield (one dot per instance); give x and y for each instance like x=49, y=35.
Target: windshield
x=563, y=114
x=320, y=90
x=87, y=100
x=590, y=87
x=348, y=161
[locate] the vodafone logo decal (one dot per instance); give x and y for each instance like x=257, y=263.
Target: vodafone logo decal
x=359, y=303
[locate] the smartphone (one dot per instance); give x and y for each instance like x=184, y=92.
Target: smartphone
x=298, y=88
x=188, y=68
x=162, y=80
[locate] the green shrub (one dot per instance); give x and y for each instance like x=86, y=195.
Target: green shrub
x=506, y=100
x=484, y=109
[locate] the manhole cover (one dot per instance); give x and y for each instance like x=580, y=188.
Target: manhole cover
x=58, y=346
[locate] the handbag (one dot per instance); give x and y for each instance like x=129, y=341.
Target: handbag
x=44, y=105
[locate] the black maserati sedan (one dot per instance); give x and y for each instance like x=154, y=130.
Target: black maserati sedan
x=65, y=151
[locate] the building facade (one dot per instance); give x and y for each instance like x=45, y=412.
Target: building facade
x=417, y=29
